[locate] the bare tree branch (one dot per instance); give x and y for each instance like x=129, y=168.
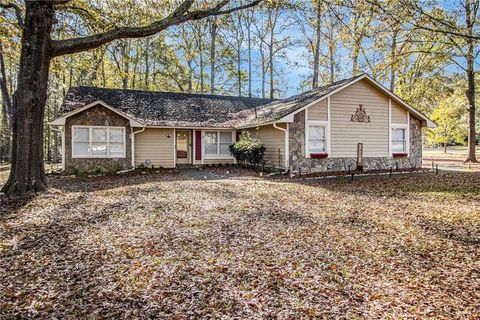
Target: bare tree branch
x=180, y=15
x=18, y=12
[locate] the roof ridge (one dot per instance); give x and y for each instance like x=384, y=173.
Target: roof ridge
x=207, y=95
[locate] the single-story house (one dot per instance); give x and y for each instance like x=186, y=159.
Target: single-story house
x=328, y=128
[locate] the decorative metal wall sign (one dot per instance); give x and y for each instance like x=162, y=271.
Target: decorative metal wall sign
x=360, y=115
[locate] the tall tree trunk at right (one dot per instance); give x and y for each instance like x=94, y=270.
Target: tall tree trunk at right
x=27, y=172
x=470, y=93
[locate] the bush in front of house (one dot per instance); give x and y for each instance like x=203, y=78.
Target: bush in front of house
x=248, y=150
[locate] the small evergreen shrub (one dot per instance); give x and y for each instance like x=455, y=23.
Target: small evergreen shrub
x=248, y=150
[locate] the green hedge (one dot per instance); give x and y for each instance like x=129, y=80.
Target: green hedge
x=248, y=150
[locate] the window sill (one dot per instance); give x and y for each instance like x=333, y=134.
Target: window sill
x=107, y=157
x=217, y=157
x=322, y=155
x=400, y=154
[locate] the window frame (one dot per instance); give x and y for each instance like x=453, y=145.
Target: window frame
x=316, y=123
x=90, y=142
x=406, y=138
x=217, y=155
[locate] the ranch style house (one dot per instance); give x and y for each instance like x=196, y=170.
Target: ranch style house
x=325, y=129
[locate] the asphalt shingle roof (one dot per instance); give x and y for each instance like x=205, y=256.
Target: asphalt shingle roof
x=195, y=110
x=164, y=108
x=278, y=109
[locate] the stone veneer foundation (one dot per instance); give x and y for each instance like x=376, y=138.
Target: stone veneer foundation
x=96, y=116
x=299, y=161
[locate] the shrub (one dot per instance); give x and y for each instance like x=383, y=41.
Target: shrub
x=248, y=149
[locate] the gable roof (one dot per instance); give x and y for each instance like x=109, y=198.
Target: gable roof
x=279, y=109
x=167, y=109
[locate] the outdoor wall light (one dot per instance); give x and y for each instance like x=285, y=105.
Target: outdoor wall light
x=168, y=135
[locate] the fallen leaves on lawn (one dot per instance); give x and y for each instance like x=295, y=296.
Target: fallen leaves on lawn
x=159, y=245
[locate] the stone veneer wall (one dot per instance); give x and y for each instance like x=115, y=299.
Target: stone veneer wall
x=97, y=116
x=298, y=160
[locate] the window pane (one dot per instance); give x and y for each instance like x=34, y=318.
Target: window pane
x=225, y=142
x=99, y=135
x=99, y=149
x=317, y=132
x=398, y=134
x=210, y=143
x=225, y=148
x=211, y=138
x=316, y=145
x=398, y=146
x=116, y=149
x=226, y=137
x=116, y=135
x=81, y=148
x=210, y=148
x=80, y=134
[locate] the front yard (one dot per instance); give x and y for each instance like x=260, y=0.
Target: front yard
x=160, y=245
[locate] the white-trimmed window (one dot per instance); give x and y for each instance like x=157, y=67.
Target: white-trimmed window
x=98, y=142
x=399, y=140
x=217, y=143
x=317, y=138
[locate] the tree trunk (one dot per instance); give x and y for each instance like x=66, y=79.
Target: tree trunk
x=6, y=110
x=270, y=55
x=147, y=64
x=470, y=93
x=200, y=55
x=55, y=133
x=213, y=39
x=316, y=55
x=264, y=71
x=393, y=58
x=249, y=44
x=27, y=173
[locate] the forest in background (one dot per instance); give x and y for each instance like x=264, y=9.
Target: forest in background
x=273, y=50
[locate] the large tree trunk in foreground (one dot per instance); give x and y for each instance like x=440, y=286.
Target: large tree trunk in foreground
x=27, y=173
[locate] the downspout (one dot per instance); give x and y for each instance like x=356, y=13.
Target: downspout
x=286, y=147
x=133, y=145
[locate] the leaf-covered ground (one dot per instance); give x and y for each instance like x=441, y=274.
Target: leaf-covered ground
x=161, y=245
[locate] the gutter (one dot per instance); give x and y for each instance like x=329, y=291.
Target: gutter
x=286, y=147
x=133, y=145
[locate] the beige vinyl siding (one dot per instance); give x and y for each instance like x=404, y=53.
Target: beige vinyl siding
x=399, y=114
x=154, y=145
x=274, y=141
x=345, y=135
x=318, y=112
